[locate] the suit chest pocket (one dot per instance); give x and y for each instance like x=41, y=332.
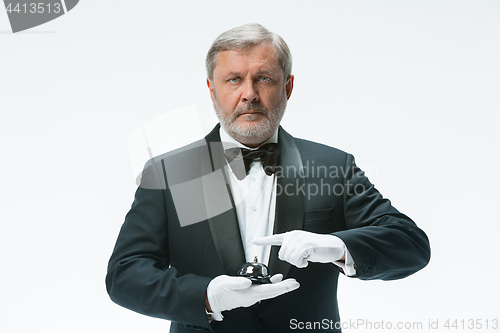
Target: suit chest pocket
x=320, y=221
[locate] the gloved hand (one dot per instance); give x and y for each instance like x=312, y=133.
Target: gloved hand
x=298, y=247
x=229, y=292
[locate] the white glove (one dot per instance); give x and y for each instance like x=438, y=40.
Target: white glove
x=229, y=292
x=298, y=247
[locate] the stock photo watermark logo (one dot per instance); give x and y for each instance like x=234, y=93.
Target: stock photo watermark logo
x=26, y=14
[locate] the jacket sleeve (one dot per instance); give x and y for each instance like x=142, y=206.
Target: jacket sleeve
x=384, y=243
x=139, y=275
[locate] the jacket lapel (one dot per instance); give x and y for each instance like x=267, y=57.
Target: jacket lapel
x=220, y=205
x=290, y=197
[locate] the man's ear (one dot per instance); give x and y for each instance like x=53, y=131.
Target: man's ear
x=289, y=86
x=211, y=88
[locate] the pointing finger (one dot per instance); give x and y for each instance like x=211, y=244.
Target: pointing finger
x=269, y=240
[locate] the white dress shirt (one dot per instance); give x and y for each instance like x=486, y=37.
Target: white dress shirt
x=255, y=201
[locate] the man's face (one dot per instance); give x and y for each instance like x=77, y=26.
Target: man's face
x=249, y=93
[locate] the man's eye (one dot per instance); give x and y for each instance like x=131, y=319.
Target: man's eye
x=265, y=79
x=233, y=80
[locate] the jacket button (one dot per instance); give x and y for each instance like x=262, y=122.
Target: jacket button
x=261, y=323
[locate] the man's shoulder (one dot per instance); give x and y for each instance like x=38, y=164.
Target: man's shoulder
x=190, y=149
x=314, y=149
x=310, y=147
x=181, y=164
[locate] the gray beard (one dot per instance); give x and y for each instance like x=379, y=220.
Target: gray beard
x=253, y=133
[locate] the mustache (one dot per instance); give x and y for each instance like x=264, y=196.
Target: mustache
x=250, y=107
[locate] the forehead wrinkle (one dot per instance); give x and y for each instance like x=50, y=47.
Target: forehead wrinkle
x=247, y=50
x=267, y=72
x=259, y=72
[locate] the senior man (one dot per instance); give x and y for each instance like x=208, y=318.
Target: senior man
x=249, y=189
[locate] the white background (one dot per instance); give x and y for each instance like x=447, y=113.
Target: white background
x=411, y=88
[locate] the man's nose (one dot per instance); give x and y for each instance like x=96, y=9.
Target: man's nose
x=249, y=93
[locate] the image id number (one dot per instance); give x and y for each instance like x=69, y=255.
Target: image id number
x=34, y=7
x=472, y=324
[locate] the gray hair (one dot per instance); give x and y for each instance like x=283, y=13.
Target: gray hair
x=244, y=38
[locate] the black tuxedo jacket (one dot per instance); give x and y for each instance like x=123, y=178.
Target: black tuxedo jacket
x=161, y=269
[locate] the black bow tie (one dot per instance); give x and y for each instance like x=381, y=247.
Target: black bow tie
x=268, y=155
